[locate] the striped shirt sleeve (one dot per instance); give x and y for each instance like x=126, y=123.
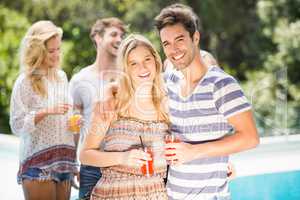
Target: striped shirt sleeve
x=229, y=98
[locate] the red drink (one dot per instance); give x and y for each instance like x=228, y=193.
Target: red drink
x=171, y=138
x=147, y=169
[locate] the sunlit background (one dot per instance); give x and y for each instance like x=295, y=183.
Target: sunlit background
x=257, y=41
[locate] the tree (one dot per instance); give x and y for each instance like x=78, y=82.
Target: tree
x=276, y=87
x=12, y=28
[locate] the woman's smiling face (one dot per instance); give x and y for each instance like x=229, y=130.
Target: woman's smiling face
x=142, y=66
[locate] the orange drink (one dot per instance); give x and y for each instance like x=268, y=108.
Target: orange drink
x=74, y=123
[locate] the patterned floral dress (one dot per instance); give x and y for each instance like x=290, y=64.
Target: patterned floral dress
x=125, y=182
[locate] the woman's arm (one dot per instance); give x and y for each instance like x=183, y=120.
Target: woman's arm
x=22, y=114
x=90, y=153
x=59, y=109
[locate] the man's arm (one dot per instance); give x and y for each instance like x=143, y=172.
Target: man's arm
x=77, y=102
x=245, y=137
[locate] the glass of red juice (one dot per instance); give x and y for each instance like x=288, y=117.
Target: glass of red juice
x=147, y=169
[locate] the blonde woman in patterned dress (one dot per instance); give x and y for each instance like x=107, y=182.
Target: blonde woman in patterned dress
x=135, y=110
x=38, y=114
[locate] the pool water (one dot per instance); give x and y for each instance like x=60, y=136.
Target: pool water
x=276, y=186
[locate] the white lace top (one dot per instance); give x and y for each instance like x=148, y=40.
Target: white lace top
x=50, y=135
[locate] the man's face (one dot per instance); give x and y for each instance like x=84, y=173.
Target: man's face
x=178, y=46
x=111, y=39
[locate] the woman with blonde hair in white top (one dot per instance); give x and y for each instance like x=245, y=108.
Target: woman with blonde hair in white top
x=40, y=105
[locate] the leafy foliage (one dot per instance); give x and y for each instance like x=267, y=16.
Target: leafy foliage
x=257, y=41
x=12, y=28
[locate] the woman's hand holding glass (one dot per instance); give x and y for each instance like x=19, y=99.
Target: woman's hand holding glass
x=59, y=109
x=136, y=158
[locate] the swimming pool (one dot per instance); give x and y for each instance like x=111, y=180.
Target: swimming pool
x=269, y=172
x=277, y=186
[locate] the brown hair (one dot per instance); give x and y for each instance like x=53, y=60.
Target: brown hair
x=102, y=24
x=178, y=13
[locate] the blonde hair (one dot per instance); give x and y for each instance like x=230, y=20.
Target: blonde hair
x=127, y=89
x=33, y=52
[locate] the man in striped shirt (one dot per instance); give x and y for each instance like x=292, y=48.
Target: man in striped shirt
x=205, y=104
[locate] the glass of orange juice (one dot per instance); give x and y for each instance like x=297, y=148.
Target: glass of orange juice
x=74, y=123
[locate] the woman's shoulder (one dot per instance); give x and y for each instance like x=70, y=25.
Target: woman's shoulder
x=22, y=80
x=22, y=86
x=21, y=77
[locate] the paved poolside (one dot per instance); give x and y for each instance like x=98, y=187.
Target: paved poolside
x=9, y=189
x=277, y=154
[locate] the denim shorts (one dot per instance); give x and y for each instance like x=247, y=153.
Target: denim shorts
x=42, y=175
x=89, y=176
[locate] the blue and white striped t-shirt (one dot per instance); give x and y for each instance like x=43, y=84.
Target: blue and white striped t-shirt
x=199, y=117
